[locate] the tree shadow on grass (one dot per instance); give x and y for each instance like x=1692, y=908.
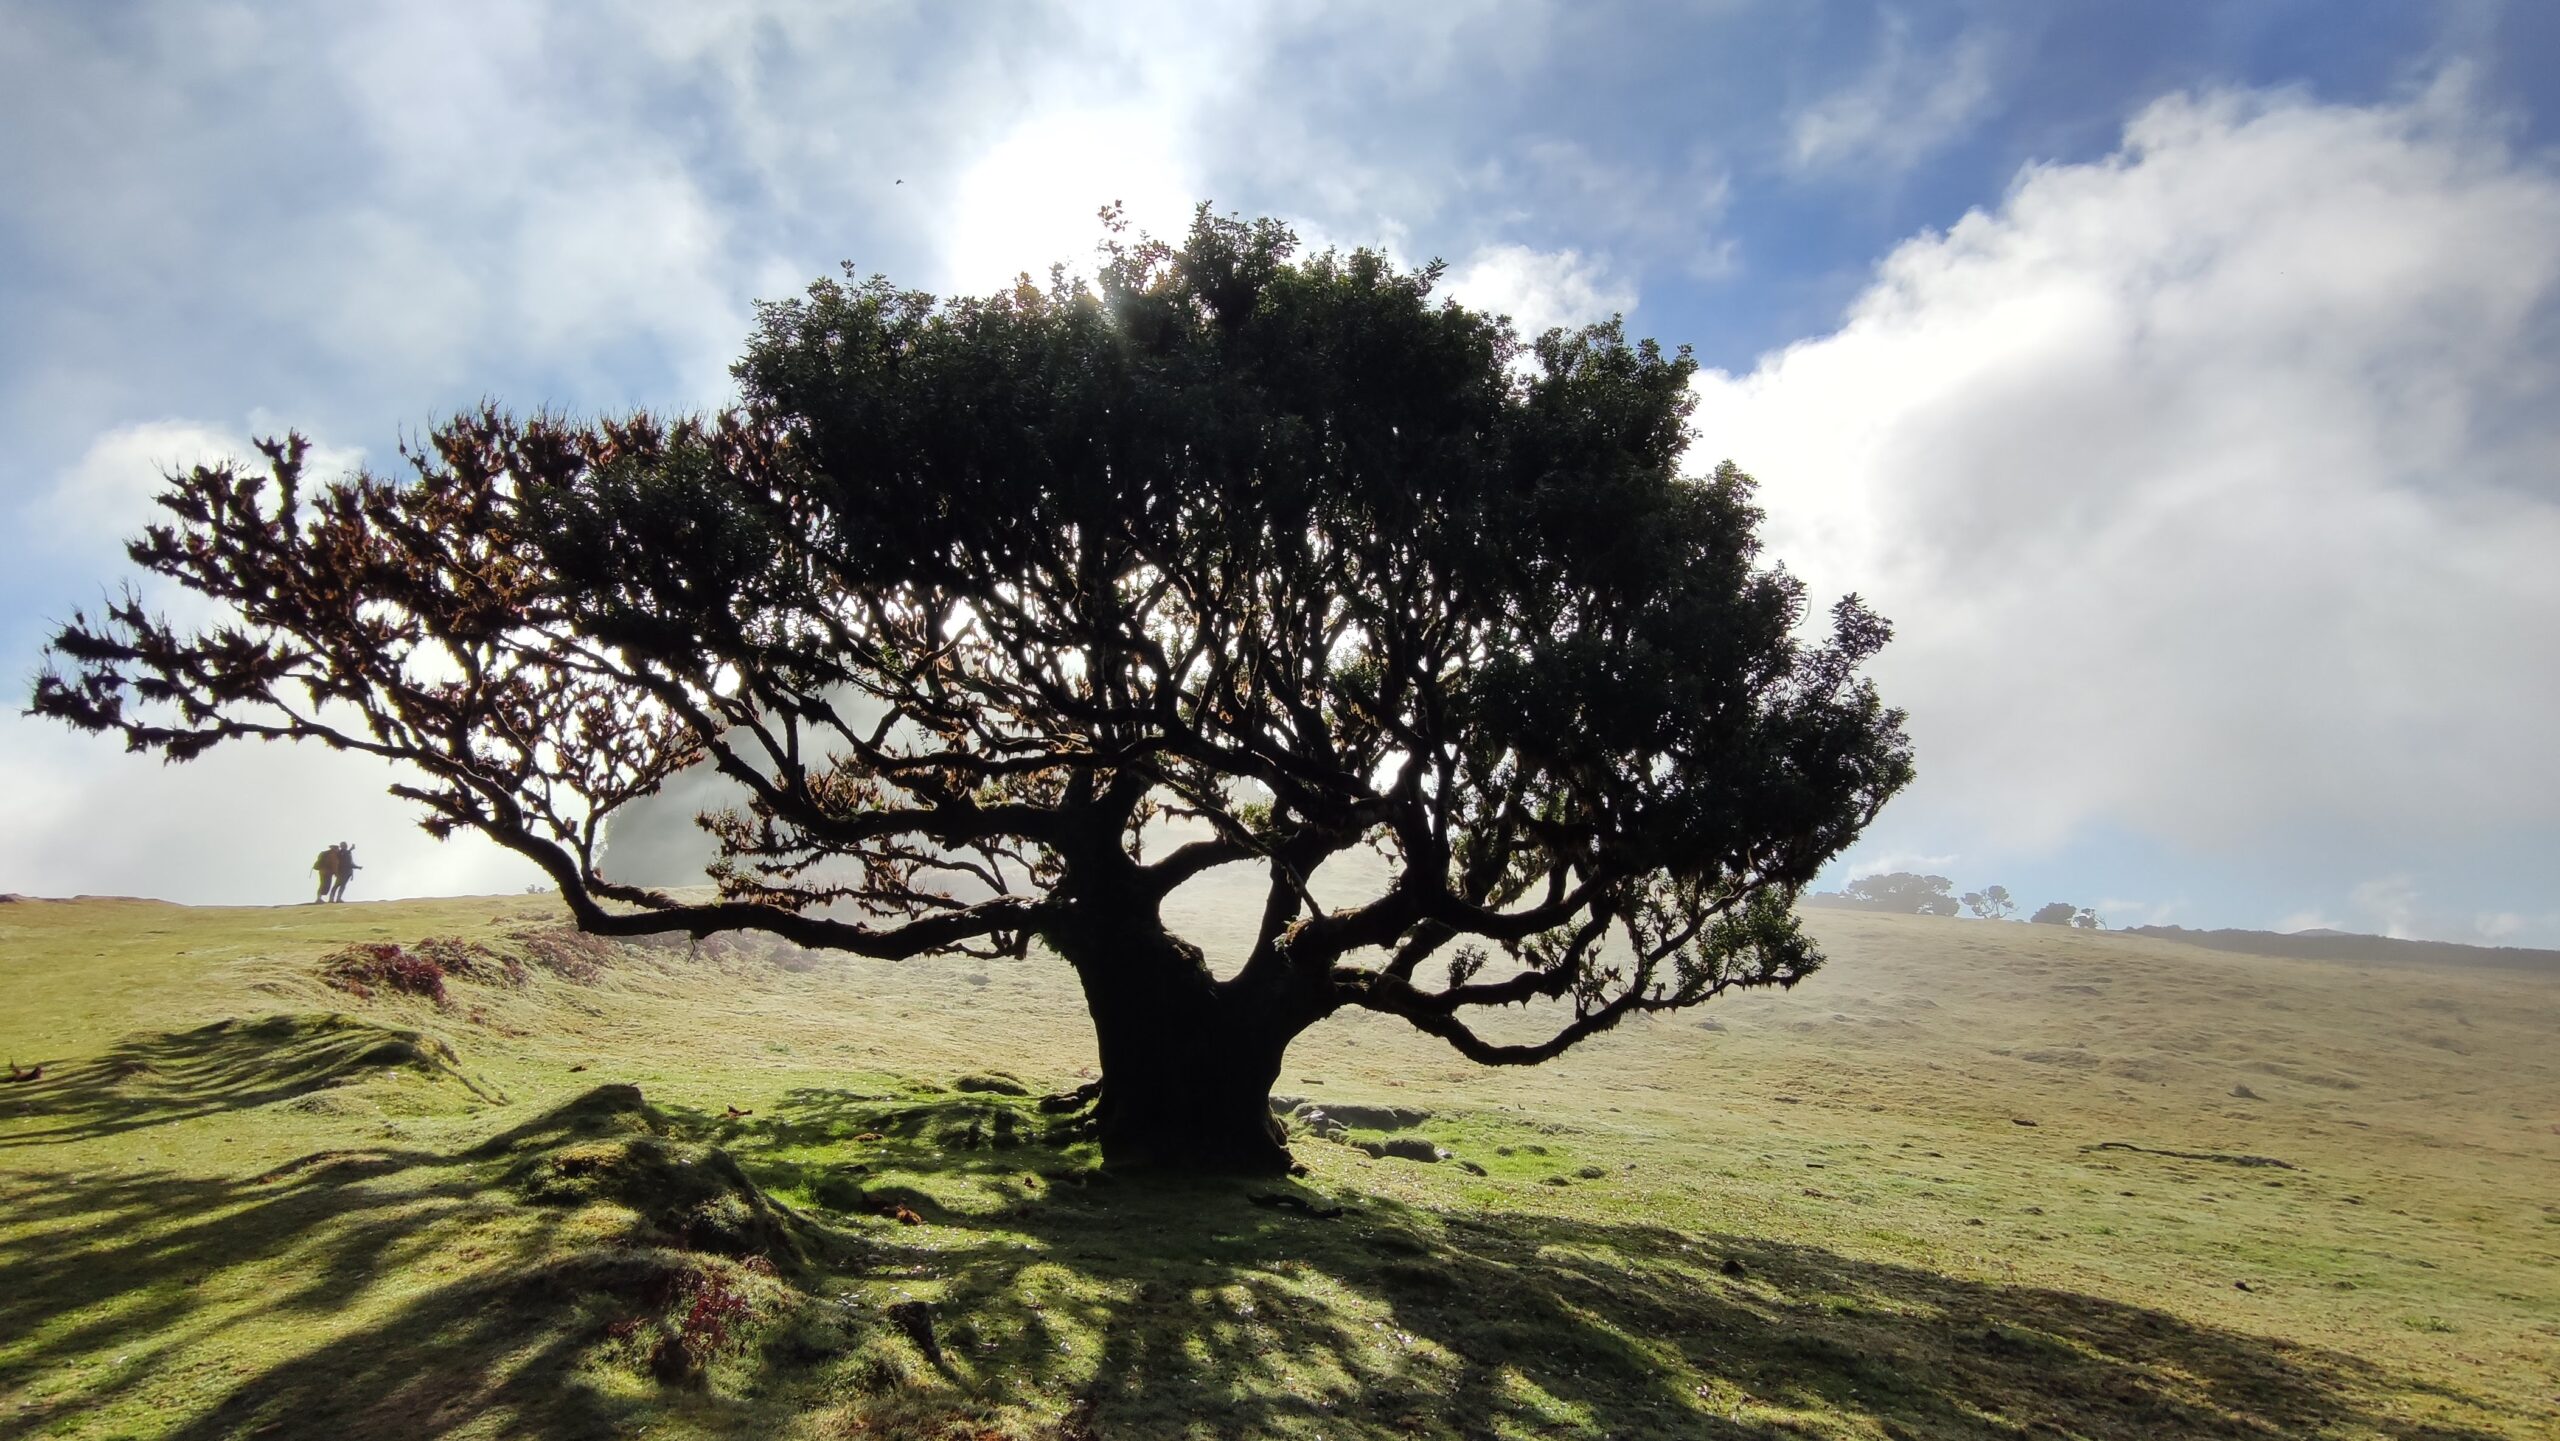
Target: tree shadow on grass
x=1073, y=1305
x=1186, y=1307
x=230, y=1065
x=1397, y=1322
x=499, y=1355
x=164, y=1272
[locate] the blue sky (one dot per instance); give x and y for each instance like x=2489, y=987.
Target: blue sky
x=2184, y=379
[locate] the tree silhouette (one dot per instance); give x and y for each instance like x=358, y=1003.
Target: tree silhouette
x=1011, y=614
x=1902, y=892
x=2055, y=913
x=1991, y=903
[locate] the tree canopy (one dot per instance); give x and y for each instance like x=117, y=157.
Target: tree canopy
x=1902, y=892
x=1991, y=903
x=1009, y=614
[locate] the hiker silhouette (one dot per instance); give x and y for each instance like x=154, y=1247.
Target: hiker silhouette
x=335, y=867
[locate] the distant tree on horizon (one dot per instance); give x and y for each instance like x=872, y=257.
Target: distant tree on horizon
x=1904, y=893
x=2087, y=920
x=2055, y=913
x=1991, y=903
x=975, y=599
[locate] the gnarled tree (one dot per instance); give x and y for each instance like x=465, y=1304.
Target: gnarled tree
x=974, y=599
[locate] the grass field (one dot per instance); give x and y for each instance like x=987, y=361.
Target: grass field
x=1971, y=1180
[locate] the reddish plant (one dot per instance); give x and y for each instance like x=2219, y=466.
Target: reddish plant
x=458, y=957
x=705, y=1328
x=360, y=967
x=565, y=951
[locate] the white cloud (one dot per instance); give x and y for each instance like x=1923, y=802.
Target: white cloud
x=1883, y=863
x=107, y=493
x=412, y=195
x=2120, y=914
x=1162, y=106
x=2396, y=906
x=1907, y=105
x=1030, y=200
x=237, y=827
x=2512, y=928
x=1538, y=289
x=2497, y=925
x=2210, y=486
x=2389, y=903
x=107, y=496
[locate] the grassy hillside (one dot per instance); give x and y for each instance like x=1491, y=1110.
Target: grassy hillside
x=1971, y=1180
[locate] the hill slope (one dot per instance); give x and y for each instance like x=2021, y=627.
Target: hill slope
x=1972, y=1179
x=2328, y=945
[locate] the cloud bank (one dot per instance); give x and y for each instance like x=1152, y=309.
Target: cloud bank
x=2212, y=485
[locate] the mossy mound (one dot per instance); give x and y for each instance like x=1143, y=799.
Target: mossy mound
x=298, y=1061
x=609, y=1146
x=612, y=1109
x=971, y=1128
x=332, y=1044
x=1361, y=1117
x=993, y=1083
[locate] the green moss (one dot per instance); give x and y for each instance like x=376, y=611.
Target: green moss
x=996, y=1083
x=612, y=1148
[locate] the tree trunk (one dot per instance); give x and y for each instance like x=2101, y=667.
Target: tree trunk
x=1187, y=1062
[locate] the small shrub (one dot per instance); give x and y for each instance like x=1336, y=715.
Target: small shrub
x=361, y=967
x=458, y=957
x=707, y=1323
x=566, y=952
x=715, y=1308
